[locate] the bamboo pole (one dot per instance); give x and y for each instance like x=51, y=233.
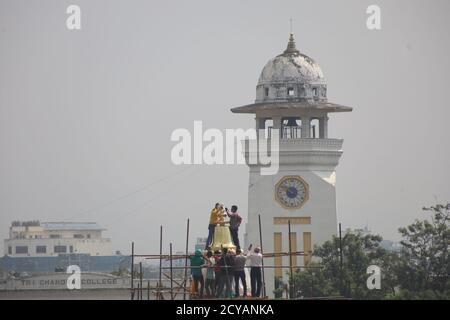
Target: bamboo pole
x=262, y=253
x=171, y=273
x=132, y=270
x=341, y=260
x=186, y=261
x=140, y=280
x=291, y=280
x=160, y=257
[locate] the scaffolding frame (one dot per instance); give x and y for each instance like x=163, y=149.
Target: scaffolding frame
x=177, y=286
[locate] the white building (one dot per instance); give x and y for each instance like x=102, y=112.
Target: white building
x=200, y=243
x=46, y=239
x=291, y=96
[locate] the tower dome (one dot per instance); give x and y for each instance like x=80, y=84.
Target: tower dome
x=291, y=77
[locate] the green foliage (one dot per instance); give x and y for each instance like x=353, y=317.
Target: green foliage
x=326, y=278
x=279, y=288
x=421, y=269
x=424, y=272
x=313, y=283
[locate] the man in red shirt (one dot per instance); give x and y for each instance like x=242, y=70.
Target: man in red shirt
x=235, y=222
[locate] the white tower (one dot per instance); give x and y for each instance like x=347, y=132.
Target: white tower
x=291, y=96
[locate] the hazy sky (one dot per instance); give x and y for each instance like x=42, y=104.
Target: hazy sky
x=86, y=116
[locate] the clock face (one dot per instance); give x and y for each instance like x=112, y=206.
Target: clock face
x=291, y=192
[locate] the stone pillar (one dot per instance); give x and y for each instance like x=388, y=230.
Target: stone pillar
x=260, y=123
x=323, y=127
x=277, y=124
x=306, y=127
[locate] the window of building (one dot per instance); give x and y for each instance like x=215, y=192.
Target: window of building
x=88, y=236
x=71, y=249
x=9, y=250
x=290, y=91
x=78, y=236
x=21, y=249
x=41, y=249
x=60, y=249
x=266, y=91
x=315, y=92
x=55, y=236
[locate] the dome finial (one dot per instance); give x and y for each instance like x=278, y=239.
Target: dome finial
x=291, y=48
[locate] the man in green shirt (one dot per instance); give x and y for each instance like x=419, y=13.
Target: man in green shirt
x=197, y=262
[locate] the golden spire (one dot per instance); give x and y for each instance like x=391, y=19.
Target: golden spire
x=291, y=48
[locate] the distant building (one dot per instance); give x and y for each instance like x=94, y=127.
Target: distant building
x=44, y=239
x=385, y=244
x=37, y=247
x=364, y=231
x=201, y=243
x=180, y=261
x=390, y=245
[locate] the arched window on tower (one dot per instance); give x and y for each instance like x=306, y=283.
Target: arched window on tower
x=291, y=128
x=290, y=91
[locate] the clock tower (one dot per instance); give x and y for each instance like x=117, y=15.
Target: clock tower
x=291, y=96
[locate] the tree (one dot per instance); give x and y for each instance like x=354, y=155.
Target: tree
x=313, y=283
x=420, y=270
x=424, y=270
x=328, y=279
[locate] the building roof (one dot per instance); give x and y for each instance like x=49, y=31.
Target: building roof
x=71, y=226
x=291, y=81
x=304, y=105
x=294, y=81
x=291, y=66
x=291, y=76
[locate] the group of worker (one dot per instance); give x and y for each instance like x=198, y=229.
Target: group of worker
x=217, y=217
x=225, y=269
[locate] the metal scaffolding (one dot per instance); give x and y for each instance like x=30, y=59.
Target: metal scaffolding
x=160, y=291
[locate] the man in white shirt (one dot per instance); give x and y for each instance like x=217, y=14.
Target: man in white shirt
x=239, y=272
x=255, y=258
